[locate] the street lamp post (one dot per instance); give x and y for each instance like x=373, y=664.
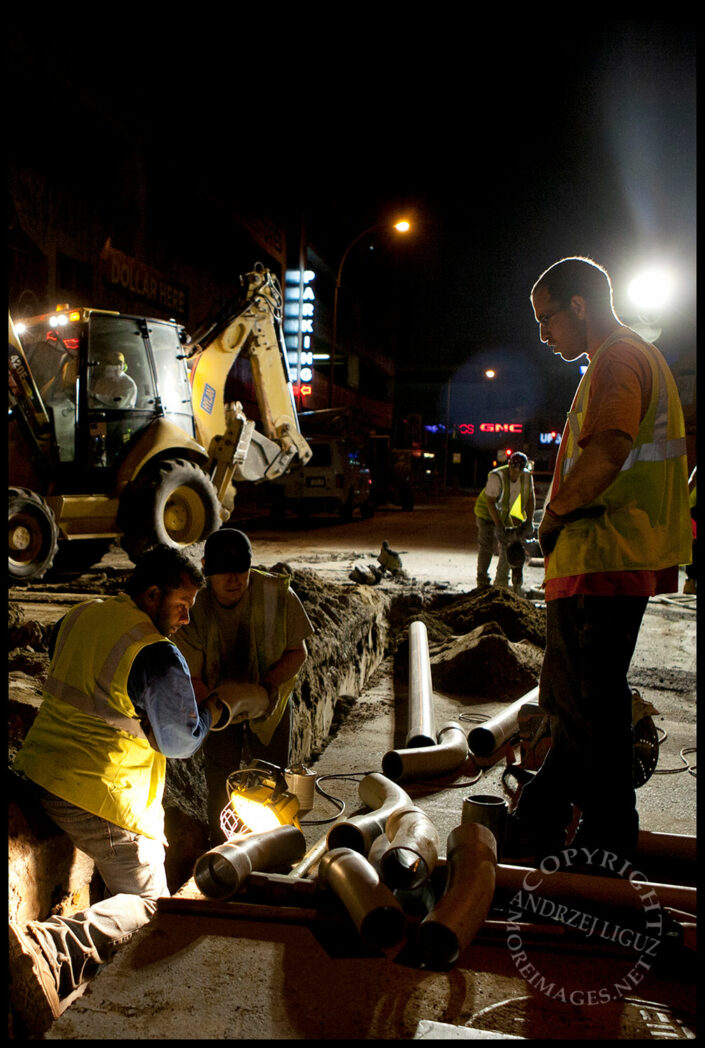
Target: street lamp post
x=402, y=226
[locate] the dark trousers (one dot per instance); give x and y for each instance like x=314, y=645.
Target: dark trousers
x=223, y=753
x=589, y=646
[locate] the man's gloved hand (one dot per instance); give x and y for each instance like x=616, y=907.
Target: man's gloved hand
x=234, y=701
x=549, y=529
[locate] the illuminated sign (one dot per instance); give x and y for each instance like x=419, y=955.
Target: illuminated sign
x=468, y=429
x=550, y=438
x=299, y=315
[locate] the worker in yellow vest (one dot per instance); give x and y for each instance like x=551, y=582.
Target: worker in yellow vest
x=248, y=627
x=117, y=701
x=504, y=512
x=615, y=528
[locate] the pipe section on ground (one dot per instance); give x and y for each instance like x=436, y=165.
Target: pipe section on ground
x=412, y=851
x=676, y=846
x=222, y=870
x=421, y=723
x=449, y=753
x=373, y=909
x=616, y=891
x=462, y=909
x=488, y=737
x=380, y=794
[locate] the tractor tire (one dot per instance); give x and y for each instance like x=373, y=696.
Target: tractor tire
x=173, y=502
x=33, y=536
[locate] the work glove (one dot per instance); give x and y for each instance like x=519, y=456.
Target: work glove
x=549, y=530
x=232, y=702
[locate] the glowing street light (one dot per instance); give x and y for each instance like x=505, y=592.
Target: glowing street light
x=402, y=226
x=651, y=290
x=490, y=373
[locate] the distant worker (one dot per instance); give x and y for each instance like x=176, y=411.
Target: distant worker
x=505, y=511
x=615, y=528
x=691, y=584
x=247, y=627
x=118, y=700
x=110, y=385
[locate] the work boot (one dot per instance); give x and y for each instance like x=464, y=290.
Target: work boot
x=690, y=586
x=33, y=992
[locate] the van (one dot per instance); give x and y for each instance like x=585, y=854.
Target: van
x=334, y=480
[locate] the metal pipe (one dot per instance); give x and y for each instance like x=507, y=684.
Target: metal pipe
x=676, y=846
x=489, y=736
x=222, y=870
x=373, y=909
x=449, y=753
x=461, y=911
x=383, y=797
x=412, y=851
x=612, y=891
x=421, y=723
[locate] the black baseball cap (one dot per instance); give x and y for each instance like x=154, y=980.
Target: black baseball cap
x=227, y=550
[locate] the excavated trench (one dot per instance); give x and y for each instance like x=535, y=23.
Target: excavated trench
x=490, y=638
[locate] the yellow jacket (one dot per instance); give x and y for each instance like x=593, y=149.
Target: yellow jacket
x=86, y=744
x=646, y=523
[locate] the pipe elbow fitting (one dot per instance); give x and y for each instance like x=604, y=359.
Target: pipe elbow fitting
x=381, y=795
x=423, y=762
x=370, y=904
x=457, y=916
x=412, y=851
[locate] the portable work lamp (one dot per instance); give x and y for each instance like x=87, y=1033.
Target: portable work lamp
x=259, y=801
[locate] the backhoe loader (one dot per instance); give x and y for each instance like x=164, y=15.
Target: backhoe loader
x=119, y=428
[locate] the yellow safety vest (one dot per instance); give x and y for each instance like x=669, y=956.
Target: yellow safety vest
x=517, y=512
x=646, y=523
x=86, y=744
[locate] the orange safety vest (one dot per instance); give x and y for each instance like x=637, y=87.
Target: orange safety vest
x=646, y=523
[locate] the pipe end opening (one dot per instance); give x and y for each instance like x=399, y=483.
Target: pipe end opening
x=384, y=927
x=438, y=944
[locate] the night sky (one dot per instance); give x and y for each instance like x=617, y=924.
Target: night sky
x=510, y=145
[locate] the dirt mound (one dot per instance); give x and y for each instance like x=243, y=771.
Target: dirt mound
x=517, y=618
x=484, y=664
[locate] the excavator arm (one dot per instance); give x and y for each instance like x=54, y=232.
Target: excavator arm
x=237, y=451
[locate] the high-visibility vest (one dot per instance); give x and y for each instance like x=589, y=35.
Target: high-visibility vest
x=517, y=511
x=87, y=745
x=646, y=523
x=267, y=640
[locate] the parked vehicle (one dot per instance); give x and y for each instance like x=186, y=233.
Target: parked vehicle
x=334, y=480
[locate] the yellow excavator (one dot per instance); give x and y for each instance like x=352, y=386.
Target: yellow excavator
x=119, y=428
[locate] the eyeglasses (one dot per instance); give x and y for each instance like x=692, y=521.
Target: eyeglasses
x=545, y=318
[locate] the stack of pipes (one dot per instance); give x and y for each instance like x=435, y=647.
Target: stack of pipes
x=374, y=861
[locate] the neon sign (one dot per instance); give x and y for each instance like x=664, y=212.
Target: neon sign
x=468, y=429
x=299, y=314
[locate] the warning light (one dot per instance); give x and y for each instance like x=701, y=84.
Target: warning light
x=75, y=315
x=305, y=391
x=507, y=452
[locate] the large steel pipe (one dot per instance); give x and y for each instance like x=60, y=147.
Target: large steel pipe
x=489, y=736
x=222, y=870
x=449, y=753
x=373, y=909
x=462, y=909
x=381, y=795
x=617, y=891
x=412, y=851
x=421, y=723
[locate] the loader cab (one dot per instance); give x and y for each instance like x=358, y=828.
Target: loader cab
x=104, y=378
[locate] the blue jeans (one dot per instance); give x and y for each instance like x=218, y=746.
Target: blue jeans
x=132, y=867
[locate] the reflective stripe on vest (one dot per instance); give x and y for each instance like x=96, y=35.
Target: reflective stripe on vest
x=644, y=526
x=98, y=704
x=502, y=502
